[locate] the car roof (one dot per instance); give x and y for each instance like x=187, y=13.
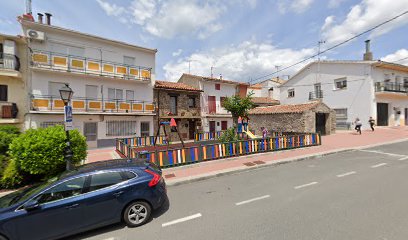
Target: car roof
x=104, y=165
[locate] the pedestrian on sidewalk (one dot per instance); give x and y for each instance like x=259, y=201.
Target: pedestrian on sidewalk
x=371, y=121
x=264, y=132
x=358, y=125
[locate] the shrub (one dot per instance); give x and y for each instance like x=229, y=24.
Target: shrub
x=5, y=140
x=228, y=136
x=9, y=129
x=12, y=177
x=3, y=163
x=41, y=151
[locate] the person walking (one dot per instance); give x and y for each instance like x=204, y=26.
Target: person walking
x=264, y=132
x=358, y=125
x=371, y=121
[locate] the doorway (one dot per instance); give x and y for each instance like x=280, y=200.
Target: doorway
x=321, y=123
x=91, y=134
x=212, y=126
x=191, y=129
x=224, y=125
x=406, y=116
x=382, y=114
x=212, y=109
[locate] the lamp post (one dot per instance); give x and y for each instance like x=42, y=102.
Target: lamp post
x=66, y=95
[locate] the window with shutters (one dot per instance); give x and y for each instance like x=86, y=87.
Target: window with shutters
x=145, y=129
x=120, y=128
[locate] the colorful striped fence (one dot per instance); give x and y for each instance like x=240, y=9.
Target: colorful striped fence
x=199, y=153
x=206, y=136
x=144, y=141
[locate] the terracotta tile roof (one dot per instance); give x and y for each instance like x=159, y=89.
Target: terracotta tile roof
x=295, y=108
x=175, y=86
x=256, y=86
x=264, y=100
x=217, y=79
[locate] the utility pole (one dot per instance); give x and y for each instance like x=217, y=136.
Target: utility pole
x=277, y=71
x=319, y=43
x=212, y=71
x=189, y=61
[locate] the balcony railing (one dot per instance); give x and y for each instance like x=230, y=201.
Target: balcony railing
x=215, y=110
x=9, y=61
x=68, y=63
x=391, y=87
x=8, y=110
x=79, y=104
x=315, y=95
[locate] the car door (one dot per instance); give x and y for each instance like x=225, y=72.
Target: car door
x=59, y=212
x=105, y=197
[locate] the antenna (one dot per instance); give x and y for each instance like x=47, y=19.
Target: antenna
x=319, y=43
x=277, y=71
x=28, y=7
x=212, y=67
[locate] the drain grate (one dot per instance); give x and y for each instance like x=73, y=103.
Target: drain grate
x=171, y=175
x=259, y=162
x=249, y=164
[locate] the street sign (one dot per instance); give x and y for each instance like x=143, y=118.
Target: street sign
x=68, y=118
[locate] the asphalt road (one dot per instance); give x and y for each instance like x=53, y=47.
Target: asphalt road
x=353, y=195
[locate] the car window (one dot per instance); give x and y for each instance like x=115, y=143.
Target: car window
x=103, y=180
x=128, y=175
x=70, y=188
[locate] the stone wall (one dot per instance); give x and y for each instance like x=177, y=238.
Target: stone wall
x=183, y=110
x=282, y=122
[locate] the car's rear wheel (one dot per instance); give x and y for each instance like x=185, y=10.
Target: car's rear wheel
x=137, y=213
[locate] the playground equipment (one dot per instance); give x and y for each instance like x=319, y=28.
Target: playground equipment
x=173, y=125
x=250, y=134
x=244, y=127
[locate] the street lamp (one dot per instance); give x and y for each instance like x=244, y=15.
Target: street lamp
x=66, y=95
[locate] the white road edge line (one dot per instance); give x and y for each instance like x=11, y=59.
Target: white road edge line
x=379, y=165
x=385, y=153
x=404, y=158
x=180, y=220
x=252, y=200
x=306, y=185
x=346, y=174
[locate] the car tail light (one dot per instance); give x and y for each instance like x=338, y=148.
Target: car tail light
x=155, y=180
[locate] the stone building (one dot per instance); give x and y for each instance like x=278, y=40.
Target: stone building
x=181, y=102
x=309, y=117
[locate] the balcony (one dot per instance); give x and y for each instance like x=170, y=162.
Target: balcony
x=391, y=87
x=8, y=112
x=44, y=103
x=9, y=65
x=316, y=95
x=67, y=63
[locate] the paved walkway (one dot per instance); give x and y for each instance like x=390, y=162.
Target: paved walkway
x=341, y=141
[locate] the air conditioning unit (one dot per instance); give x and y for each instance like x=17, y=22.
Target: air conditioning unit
x=37, y=35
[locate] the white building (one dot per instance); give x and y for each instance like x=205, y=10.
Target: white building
x=353, y=89
x=214, y=116
x=112, y=82
x=267, y=88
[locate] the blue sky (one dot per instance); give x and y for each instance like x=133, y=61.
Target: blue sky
x=240, y=39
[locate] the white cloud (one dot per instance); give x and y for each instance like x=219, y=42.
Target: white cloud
x=238, y=62
x=327, y=23
x=365, y=15
x=111, y=9
x=399, y=57
x=335, y=3
x=142, y=10
x=177, y=53
x=297, y=6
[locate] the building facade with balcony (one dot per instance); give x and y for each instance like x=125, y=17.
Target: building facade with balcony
x=353, y=89
x=112, y=83
x=181, y=102
x=13, y=92
x=214, y=116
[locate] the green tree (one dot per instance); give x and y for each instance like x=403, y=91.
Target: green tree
x=238, y=107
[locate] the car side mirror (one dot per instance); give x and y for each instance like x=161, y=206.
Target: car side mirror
x=31, y=205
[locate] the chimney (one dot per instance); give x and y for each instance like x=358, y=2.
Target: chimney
x=368, y=56
x=48, y=15
x=40, y=18
x=220, y=76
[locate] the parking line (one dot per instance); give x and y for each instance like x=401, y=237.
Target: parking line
x=385, y=153
x=404, y=158
x=379, y=165
x=180, y=220
x=306, y=185
x=252, y=200
x=346, y=174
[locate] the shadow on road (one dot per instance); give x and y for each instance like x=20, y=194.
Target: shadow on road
x=93, y=233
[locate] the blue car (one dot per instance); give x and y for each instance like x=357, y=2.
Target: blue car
x=92, y=196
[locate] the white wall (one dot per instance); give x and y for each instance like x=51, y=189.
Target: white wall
x=218, y=120
x=226, y=90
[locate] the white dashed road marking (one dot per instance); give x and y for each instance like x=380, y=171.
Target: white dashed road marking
x=252, y=200
x=404, y=158
x=306, y=185
x=346, y=174
x=180, y=220
x=378, y=165
x=385, y=153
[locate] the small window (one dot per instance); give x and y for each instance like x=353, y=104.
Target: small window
x=103, y=180
x=128, y=175
x=191, y=102
x=129, y=60
x=145, y=129
x=341, y=113
x=222, y=99
x=291, y=93
x=217, y=86
x=66, y=189
x=340, y=83
x=173, y=105
x=130, y=95
x=3, y=93
x=120, y=128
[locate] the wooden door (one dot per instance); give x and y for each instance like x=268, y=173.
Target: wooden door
x=382, y=114
x=211, y=105
x=212, y=126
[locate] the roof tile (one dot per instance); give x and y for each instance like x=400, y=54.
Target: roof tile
x=175, y=86
x=294, y=108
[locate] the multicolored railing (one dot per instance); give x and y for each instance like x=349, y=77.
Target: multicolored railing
x=207, y=136
x=179, y=156
x=139, y=142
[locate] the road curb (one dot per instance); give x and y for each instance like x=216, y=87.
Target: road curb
x=237, y=170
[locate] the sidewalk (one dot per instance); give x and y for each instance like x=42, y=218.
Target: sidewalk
x=341, y=141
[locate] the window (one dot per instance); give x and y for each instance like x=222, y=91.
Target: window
x=341, y=113
x=115, y=94
x=217, y=86
x=173, y=105
x=145, y=129
x=54, y=87
x=120, y=128
x=91, y=92
x=3, y=93
x=66, y=189
x=340, y=83
x=130, y=95
x=291, y=93
x=128, y=175
x=387, y=77
x=119, y=94
x=91, y=131
x=222, y=99
x=103, y=180
x=191, y=102
x=129, y=60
